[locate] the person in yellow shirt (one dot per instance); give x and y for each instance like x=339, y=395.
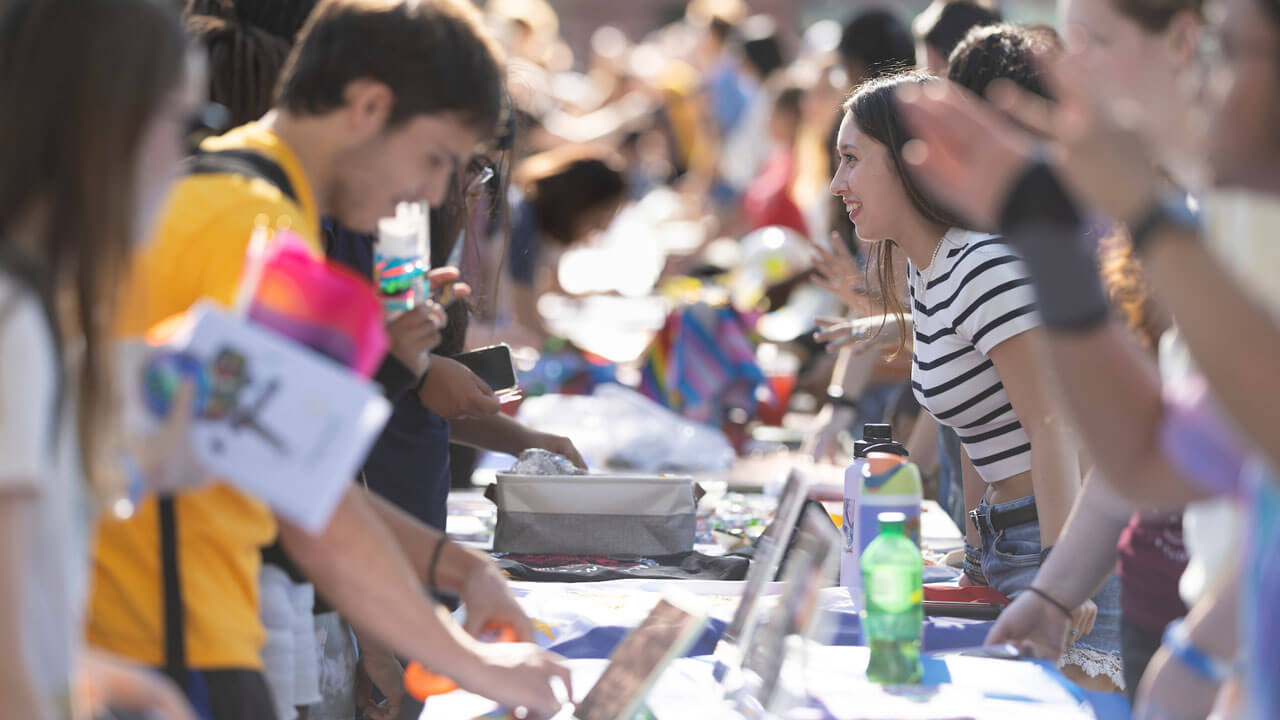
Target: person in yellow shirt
x=364, y=118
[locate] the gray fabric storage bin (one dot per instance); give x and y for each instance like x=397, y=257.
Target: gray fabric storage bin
x=594, y=514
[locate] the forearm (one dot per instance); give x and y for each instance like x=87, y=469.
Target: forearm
x=418, y=543
x=922, y=445
x=1085, y=553
x=1113, y=393
x=357, y=565
x=1215, y=314
x=381, y=664
x=1212, y=622
x=1055, y=476
x=497, y=433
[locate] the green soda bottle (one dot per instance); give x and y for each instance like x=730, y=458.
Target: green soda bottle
x=892, y=577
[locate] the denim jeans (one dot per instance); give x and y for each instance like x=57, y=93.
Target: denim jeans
x=1011, y=559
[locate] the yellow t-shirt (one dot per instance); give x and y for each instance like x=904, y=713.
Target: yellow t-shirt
x=197, y=252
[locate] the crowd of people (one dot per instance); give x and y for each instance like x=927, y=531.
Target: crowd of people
x=1049, y=246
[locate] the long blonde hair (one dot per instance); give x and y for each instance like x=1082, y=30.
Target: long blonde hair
x=80, y=81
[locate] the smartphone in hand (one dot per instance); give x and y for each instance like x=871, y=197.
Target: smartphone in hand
x=494, y=366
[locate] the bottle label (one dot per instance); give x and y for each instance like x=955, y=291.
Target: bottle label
x=401, y=281
x=847, y=524
x=890, y=590
x=869, y=518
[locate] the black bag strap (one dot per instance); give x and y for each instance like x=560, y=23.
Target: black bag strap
x=175, y=650
x=241, y=162
x=251, y=164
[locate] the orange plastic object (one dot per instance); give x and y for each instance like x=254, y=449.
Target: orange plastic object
x=421, y=683
x=882, y=463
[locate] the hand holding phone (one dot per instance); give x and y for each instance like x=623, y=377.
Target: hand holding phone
x=493, y=365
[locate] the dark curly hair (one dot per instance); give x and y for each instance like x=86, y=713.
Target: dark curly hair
x=1002, y=51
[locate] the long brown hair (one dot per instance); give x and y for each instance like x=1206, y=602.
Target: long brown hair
x=873, y=110
x=80, y=81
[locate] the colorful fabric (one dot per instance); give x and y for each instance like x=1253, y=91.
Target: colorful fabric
x=1259, y=620
x=702, y=363
x=567, y=370
x=323, y=305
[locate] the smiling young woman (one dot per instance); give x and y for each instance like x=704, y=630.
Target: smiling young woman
x=977, y=344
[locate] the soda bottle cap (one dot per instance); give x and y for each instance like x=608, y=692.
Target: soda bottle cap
x=892, y=522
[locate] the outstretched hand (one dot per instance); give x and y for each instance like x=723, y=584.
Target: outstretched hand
x=837, y=272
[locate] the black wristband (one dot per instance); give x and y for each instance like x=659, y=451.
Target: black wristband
x=1041, y=221
x=1037, y=197
x=837, y=398
x=1051, y=600
x=435, y=561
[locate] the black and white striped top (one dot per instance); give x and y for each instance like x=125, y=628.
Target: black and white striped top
x=975, y=295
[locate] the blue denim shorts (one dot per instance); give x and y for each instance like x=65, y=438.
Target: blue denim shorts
x=1011, y=559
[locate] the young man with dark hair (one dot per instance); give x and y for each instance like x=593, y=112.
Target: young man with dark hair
x=365, y=118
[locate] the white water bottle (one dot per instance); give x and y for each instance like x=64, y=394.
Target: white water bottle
x=401, y=258
x=850, y=559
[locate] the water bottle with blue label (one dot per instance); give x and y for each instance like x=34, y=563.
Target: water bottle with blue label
x=879, y=480
x=401, y=258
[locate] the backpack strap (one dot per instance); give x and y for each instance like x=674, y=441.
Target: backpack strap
x=247, y=163
x=251, y=164
x=175, y=641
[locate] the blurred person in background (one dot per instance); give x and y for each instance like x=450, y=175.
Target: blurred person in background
x=864, y=386
x=559, y=199
x=941, y=27
x=769, y=200
x=727, y=87
x=104, y=110
x=742, y=153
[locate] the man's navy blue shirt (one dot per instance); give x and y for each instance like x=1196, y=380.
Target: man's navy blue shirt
x=409, y=464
